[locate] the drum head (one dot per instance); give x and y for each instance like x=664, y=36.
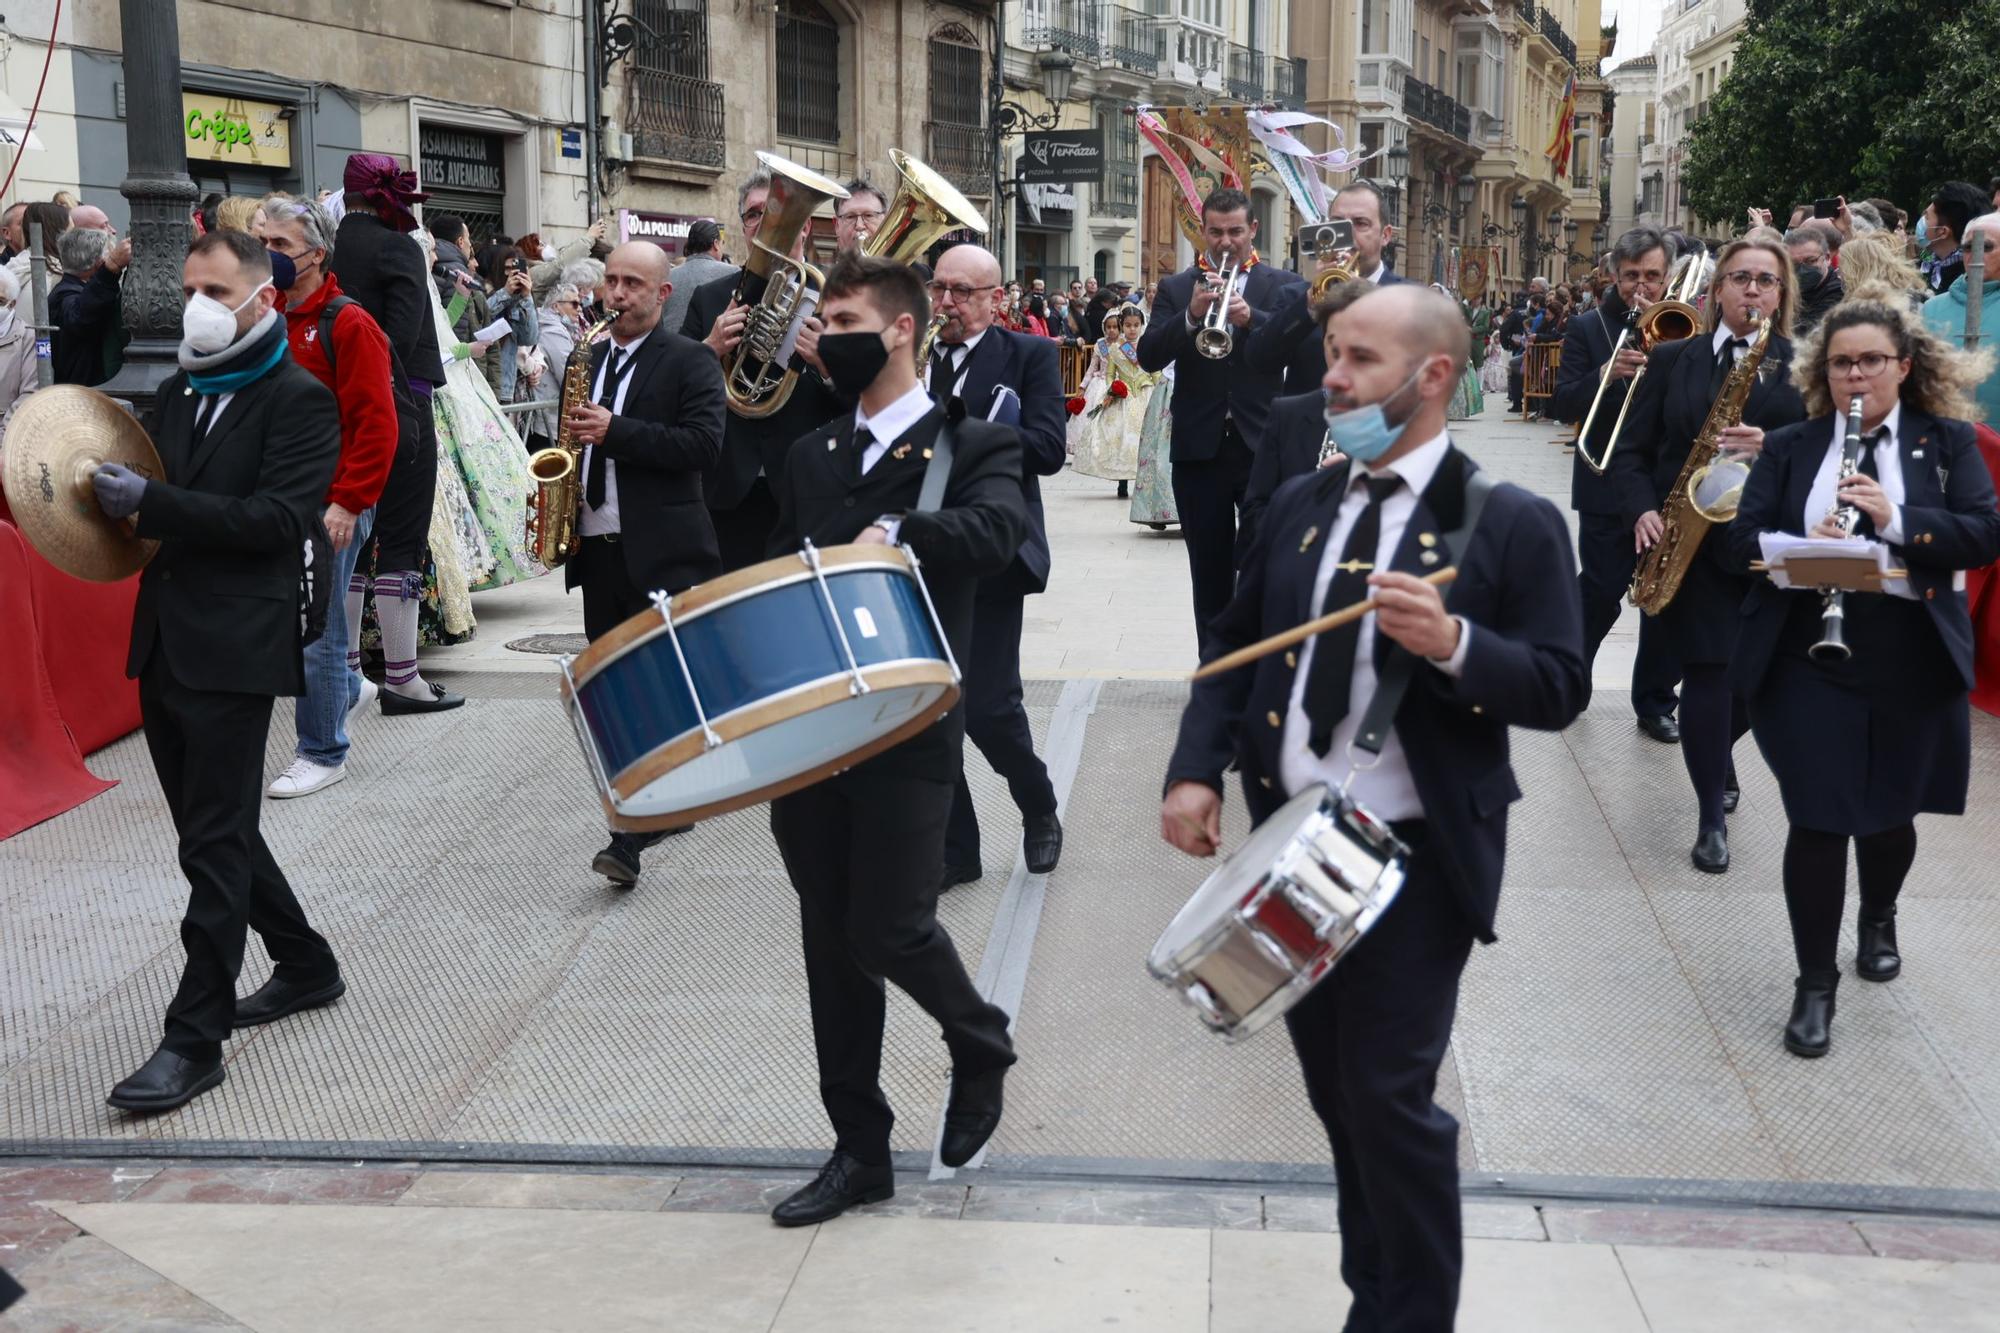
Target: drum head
x=1219, y=894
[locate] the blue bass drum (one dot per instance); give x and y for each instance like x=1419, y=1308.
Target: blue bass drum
x=759, y=683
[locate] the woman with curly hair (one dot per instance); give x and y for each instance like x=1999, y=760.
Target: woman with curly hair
x=1876, y=258
x=1863, y=745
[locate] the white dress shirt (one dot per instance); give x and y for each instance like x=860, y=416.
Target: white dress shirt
x=960, y=355
x=603, y=520
x=1375, y=278
x=1387, y=788
x=1820, y=500
x=890, y=424
x=1723, y=335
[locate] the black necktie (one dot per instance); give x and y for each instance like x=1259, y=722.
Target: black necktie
x=1725, y=361
x=593, y=481
x=1332, y=676
x=204, y=414
x=1866, y=464
x=863, y=438
x=944, y=370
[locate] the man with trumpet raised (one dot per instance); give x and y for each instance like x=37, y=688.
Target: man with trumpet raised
x=1505, y=649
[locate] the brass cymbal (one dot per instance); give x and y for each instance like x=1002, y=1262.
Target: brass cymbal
x=55, y=441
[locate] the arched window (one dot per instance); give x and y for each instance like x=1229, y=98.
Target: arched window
x=808, y=72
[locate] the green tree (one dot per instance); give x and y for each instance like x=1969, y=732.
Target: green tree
x=1853, y=97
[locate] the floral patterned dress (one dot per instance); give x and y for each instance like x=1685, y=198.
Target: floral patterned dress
x=1109, y=445
x=1153, y=488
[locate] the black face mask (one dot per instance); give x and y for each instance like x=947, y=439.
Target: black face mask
x=853, y=360
x=1810, y=276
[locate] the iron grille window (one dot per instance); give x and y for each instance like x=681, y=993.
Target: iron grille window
x=674, y=37
x=958, y=84
x=677, y=109
x=808, y=73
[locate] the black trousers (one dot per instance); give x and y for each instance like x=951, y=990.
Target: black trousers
x=742, y=532
x=1370, y=1038
x=610, y=598
x=865, y=853
x=208, y=752
x=1605, y=561
x=996, y=722
x=1209, y=494
x=402, y=531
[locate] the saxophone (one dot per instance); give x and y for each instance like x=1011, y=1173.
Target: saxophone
x=558, y=471
x=1662, y=568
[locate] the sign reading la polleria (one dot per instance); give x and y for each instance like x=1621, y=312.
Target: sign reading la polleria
x=1063, y=155
x=220, y=128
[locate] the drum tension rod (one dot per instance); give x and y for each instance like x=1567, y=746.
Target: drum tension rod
x=810, y=555
x=583, y=736
x=916, y=569
x=664, y=605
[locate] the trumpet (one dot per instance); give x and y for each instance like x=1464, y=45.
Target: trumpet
x=1667, y=320
x=1215, y=339
x=1332, y=246
x=1832, y=645
x=775, y=287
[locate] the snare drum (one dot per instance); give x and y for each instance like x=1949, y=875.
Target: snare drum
x=758, y=683
x=1272, y=921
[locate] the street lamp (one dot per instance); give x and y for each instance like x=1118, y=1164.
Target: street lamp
x=1058, y=75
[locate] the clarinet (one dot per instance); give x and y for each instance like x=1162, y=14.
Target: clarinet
x=1832, y=645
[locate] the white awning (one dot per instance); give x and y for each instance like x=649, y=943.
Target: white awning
x=14, y=125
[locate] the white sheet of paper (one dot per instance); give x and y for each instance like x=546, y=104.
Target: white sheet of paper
x=1778, y=547
x=493, y=332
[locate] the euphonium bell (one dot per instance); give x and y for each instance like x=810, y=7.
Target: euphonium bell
x=926, y=206
x=774, y=286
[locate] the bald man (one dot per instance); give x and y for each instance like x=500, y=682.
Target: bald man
x=90, y=217
x=1455, y=668
x=652, y=427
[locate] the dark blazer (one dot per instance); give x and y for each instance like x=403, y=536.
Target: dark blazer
x=1290, y=342
x=752, y=443
x=1028, y=365
x=1524, y=666
x=1205, y=390
x=824, y=496
x=1586, y=349
x=1291, y=448
x=384, y=270
x=1949, y=524
x=88, y=317
x=669, y=434
x=221, y=598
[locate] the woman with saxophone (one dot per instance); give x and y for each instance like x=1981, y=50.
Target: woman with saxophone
x=1752, y=284
x=1863, y=743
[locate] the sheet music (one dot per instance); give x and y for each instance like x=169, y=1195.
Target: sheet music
x=1780, y=547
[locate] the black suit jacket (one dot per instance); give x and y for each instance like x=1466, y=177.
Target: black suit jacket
x=1205, y=390
x=750, y=444
x=667, y=436
x=1949, y=524
x=1586, y=349
x=1524, y=666
x=824, y=497
x=1291, y=343
x=1027, y=365
x=1291, y=448
x=221, y=598
x=384, y=270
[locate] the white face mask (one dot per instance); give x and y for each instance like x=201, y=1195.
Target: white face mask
x=208, y=326
x=6, y=320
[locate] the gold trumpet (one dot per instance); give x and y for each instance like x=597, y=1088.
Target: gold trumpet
x=1667, y=320
x=774, y=286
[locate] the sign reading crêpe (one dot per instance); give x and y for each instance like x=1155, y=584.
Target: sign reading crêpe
x=222, y=128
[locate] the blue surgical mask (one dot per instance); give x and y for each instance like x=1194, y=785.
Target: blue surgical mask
x=1364, y=433
x=1923, y=231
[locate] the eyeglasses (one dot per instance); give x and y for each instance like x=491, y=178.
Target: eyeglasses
x=958, y=290
x=753, y=217
x=1870, y=364
x=1743, y=278
x=863, y=215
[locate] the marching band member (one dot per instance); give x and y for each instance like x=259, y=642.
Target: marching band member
x=1752, y=281
x=652, y=427
x=1220, y=405
x=1290, y=340
x=1863, y=745
x=1639, y=262
x=1013, y=379
x=856, y=217
x=865, y=848
x=1295, y=442
x=1508, y=652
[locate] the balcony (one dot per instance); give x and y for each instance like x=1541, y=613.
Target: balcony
x=1434, y=107
x=1288, y=82
x=962, y=154
x=677, y=118
x=1132, y=39
x=1245, y=80
x=1557, y=37
x=1067, y=25
x=1118, y=197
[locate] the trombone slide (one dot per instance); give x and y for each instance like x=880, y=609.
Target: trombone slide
x=1598, y=465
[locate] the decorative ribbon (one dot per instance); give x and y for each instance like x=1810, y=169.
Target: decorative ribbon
x=1301, y=169
x=1156, y=133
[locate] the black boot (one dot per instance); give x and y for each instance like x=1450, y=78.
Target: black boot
x=1810, y=1031
x=1876, y=958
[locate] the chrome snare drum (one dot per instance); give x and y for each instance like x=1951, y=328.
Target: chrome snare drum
x=758, y=683
x=1274, y=918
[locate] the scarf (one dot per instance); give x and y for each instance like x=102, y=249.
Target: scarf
x=380, y=181
x=1201, y=262
x=244, y=361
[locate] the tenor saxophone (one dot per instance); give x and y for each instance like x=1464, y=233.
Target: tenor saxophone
x=558, y=470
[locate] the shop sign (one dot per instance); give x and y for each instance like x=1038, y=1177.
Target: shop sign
x=466, y=160
x=1063, y=155
x=220, y=128
x=669, y=231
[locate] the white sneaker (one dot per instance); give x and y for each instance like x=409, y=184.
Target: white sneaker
x=369, y=689
x=304, y=778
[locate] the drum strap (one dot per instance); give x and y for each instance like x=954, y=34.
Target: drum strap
x=1397, y=672
x=938, y=472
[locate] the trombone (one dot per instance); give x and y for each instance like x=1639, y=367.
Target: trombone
x=1667, y=320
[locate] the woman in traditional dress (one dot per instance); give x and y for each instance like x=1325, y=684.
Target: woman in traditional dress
x=1153, y=487
x=1467, y=401
x=1109, y=447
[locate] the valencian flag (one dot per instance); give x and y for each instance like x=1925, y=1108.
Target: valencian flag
x=1558, y=149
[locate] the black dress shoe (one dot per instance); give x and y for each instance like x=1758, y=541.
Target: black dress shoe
x=394, y=704
x=840, y=1185
x=1711, y=852
x=619, y=862
x=166, y=1081
x=1041, y=842
x=278, y=998
x=1661, y=727
x=1732, y=796
x=1809, y=1033
x=971, y=1116
x=1877, y=958
x=954, y=875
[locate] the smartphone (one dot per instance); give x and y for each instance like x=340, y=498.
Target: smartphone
x=517, y=266
x=1826, y=208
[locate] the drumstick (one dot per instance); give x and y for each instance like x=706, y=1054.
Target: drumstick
x=1300, y=633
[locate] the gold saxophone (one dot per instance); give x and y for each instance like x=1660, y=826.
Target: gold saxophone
x=558, y=471
x=1687, y=520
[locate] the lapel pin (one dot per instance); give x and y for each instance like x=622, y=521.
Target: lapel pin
x=1429, y=557
x=1354, y=566
x=927, y=454
x=187, y=390
x=1305, y=542
x=1427, y=539
x=1916, y=453
x=900, y=452
x=832, y=444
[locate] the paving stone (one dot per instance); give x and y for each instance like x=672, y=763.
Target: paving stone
x=732, y=1194
x=1115, y=1207
x=1914, y=1238
x=538, y=1189
x=1701, y=1228
x=277, y=1184
x=88, y=1286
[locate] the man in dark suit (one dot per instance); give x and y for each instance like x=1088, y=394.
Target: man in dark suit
x=865, y=848
x=1220, y=406
x=1290, y=340
x=1604, y=551
x=1505, y=649
x=1011, y=378
x=1295, y=441
x=652, y=427
x=250, y=439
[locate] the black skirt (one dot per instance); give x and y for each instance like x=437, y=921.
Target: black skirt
x=1702, y=620
x=1870, y=743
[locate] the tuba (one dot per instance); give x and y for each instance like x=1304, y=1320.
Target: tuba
x=1668, y=320
x=926, y=206
x=774, y=286
x=558, y=471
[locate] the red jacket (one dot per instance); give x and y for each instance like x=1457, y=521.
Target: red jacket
x=368, y=427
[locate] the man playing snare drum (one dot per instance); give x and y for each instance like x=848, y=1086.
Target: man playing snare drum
x=1502, y=648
